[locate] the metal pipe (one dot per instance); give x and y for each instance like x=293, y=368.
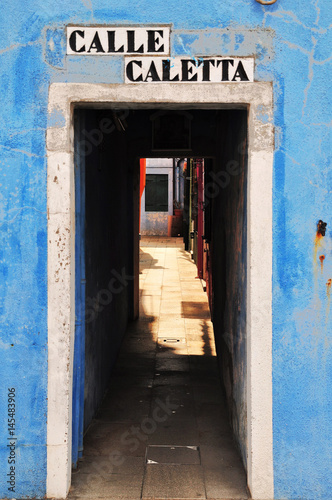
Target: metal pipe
x=267, y=2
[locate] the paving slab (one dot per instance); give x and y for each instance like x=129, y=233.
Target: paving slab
x=225, y=482
x=114, y=486
x=112, y=463
x=173, y=481
x=178, y=364
x=176, y=432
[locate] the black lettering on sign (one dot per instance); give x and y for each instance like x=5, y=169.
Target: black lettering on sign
x=131, y=43
x=96, y=44
x=186, y=71
x=206, y=69
x=130, y=71
x=240, y=73
x=176, y=69
x=154, y=40
x=111, y=43
x=73, y=41
x=152, y=73
x=167, y=72
x=225, y=68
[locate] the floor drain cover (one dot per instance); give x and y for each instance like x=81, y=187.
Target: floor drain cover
x=166, y=340
x=172, y=455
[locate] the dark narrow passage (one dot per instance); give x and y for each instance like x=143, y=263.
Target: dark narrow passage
x=156, y=423
x=162, y=430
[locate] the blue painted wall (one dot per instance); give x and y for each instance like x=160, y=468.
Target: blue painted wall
x=292, y=43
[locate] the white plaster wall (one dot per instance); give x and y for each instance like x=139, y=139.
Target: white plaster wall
x=156, y=223
x=61, y=259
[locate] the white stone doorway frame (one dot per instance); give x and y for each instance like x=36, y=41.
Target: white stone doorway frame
x=63, y=97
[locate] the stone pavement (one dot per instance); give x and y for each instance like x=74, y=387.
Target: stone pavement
x=162, y=432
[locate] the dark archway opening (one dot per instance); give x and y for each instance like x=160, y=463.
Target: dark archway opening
x=108, y=146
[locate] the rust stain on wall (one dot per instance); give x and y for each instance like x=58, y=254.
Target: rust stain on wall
x=320, y=233
x=321, y=228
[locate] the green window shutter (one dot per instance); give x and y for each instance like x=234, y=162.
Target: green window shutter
x=156, y=193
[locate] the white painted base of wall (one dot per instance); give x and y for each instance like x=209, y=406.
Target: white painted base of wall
x=61, y=258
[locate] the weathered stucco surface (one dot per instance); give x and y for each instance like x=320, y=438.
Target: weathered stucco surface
x=292, y=49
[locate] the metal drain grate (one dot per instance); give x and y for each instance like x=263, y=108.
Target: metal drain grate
x=170, y=340
x=172, y=455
